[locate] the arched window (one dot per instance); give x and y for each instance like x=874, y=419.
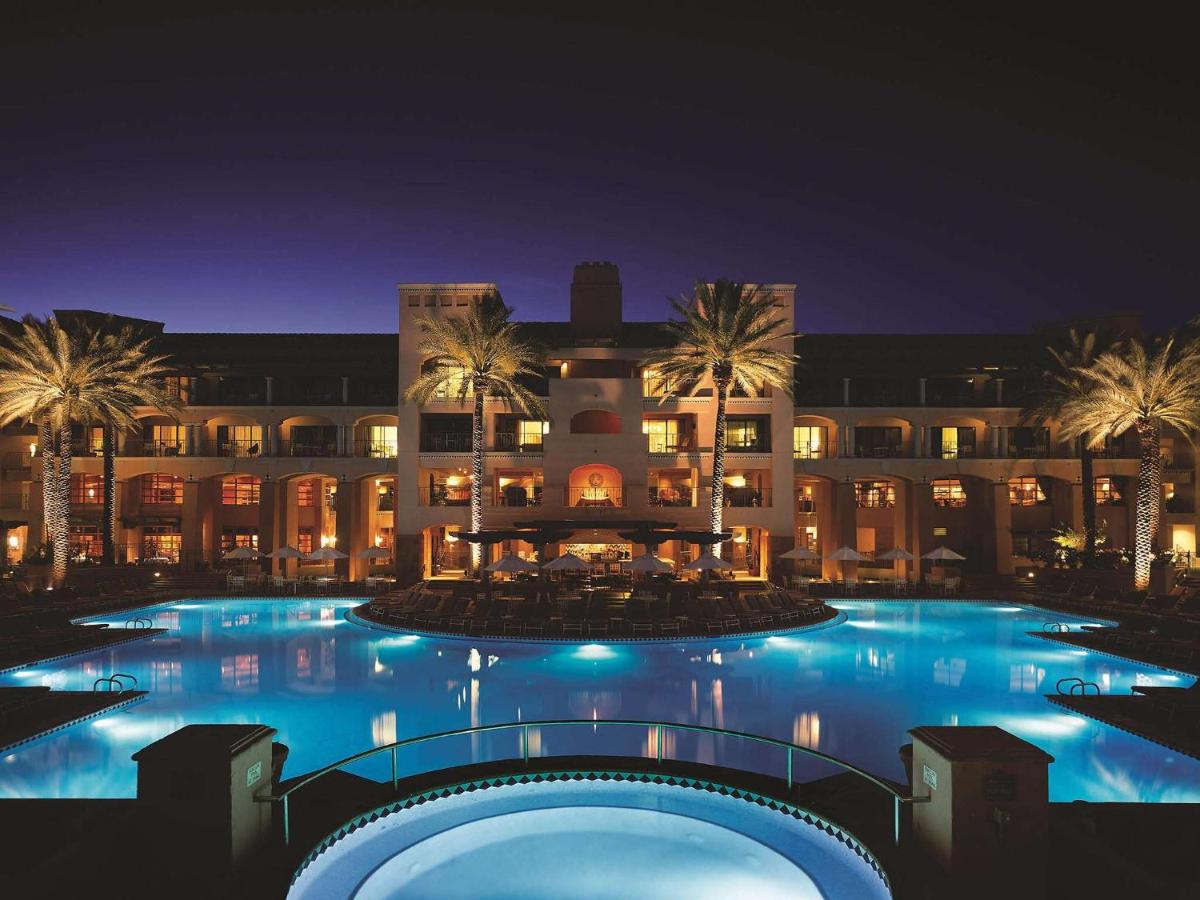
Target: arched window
x=948, y=493
x=1025, y=491
x=595, y=421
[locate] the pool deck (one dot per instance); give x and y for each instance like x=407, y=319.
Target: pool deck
x=28, y=713
x=1096, y=643
x=1140, y=716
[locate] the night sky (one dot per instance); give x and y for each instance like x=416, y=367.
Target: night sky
x=281, y=169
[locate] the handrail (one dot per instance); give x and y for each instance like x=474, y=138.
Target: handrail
x=894, y=790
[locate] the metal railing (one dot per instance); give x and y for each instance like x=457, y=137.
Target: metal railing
x=672, y=496
x=302, y=447
x=515, y=495
x=239, y=448
x=449, y=442
x=746, y=497
x=375, y=449
x=661, y=730
x=594, y=497
x=444, y=496
x=510, y=442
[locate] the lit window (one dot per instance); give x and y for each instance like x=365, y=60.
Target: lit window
x=304, y=539
x=232, y=538
x=304, y=494
x=331, y=496
x=875, y=494
x=808, y=441
x=161, y=542
x=87, y=490
x=530, y=431
x=1025, y=491
x=85, y=542
x=654, y=386
x=381, y=441
x=1107, y=491
x=159, y=489
x=662, y=435
x=742, y=434
x=949, y=494
x=167, y=440
x=452, y=384
x=240, y=490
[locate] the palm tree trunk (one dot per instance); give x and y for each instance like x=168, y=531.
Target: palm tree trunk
x=477, y=474
x=49, y=482
x=1149, y=488
x=110, y=497
x=1089, y=503
x=718, y=471
x=1156, y=496
x=60, y=536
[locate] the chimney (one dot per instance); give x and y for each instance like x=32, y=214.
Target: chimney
x=596, y=300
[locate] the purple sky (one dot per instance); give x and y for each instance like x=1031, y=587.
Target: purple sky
x=283, y=170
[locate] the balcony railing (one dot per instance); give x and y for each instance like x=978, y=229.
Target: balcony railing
x=745, y=497
x=452, y=442
x=594, y=497
x=241, y=449
x=517, y=496
x=672, y=496
x=375, y=449
x=312, y=448
x=757, y=446
x=1029, y=451
x=814, y=451
x=962, y=451
x=18, y=459
x=140, y=447
x=881, y=451
x=460, y=495
x=508, y=442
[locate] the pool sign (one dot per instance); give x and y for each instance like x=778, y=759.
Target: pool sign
x=253, y=774
x=929, y=777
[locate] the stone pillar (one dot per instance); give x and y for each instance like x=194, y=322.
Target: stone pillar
x=999, y=391
x=994, y=441
x=922, y=515
x=923, y=448
x=824, y=500
x=362, y=530
x=984, y=830
x=288, y=499
x=191, y=525
x=1003, y=442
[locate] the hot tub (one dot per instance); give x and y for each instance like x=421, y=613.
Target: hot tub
x=627, y=839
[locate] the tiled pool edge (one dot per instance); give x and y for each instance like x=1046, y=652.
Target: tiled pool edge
x=115, y=707
x=783, y=807
x=597, y=639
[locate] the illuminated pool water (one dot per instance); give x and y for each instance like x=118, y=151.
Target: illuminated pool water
x=627, y=840
x=333, y=688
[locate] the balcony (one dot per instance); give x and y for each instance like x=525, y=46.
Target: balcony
x=881, y=451
x=140, y=447
x=672, y=496
x=14, y=499
x=747, y=497
x=460, y=495
x=446, y=442
x=312, y=448
x=819, y=451
x=594, y=497
x=516, y=496
x=962, y=451
x=759, y=445
x=806, y=506
x=509, y=442
x=239, y=449
x=1029, y=451
x=370, y=449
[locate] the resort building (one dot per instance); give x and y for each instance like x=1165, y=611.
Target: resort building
x=911, y=441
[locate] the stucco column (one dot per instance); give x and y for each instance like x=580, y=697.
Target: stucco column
x=268, y=519
x=345, y=507
x=994, y=441
x=346, y=390
x=270, y=389
x=288, y=501
x=824, y=498
x=921, y=391
x=1003, y=524
x=845, y=392
x=919, y=524
x=900, y=521
x=923, y=448
x=191, y=525
x=846, y=526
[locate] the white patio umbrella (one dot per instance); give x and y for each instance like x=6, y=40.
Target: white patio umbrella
x=510, y=563
x=568, y=562
x=896, y=553
x=649, y=563
x=800, y=553
x=285, y=552
x=243, y=555
x=707, y=562
x=846, y=554
x=375, y=553
x=943, y=554
x=326, y=554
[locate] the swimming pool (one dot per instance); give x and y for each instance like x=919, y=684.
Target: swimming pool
x=628, y=839
x=333, y=688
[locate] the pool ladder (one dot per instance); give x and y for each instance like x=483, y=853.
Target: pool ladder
x=139, y=622
x=1076, y=684
x=1055, y=627
x=115, y=682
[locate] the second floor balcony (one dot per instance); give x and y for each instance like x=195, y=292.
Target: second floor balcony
x=594, y=497
x=446, y=442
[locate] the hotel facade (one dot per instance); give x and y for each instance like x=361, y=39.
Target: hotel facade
x=911, y=441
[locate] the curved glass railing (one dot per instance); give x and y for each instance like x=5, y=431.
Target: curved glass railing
x=661, y=731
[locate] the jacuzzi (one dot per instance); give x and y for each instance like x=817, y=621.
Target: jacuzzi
x=625, y=838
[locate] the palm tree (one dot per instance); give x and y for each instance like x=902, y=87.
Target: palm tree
x=57, y=378
x=725, y=332
x=481, y=354
x=1142, y=388
x=1063, y=381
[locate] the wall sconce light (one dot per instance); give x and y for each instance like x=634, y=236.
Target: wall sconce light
x=33, y=449
x=14, y=541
